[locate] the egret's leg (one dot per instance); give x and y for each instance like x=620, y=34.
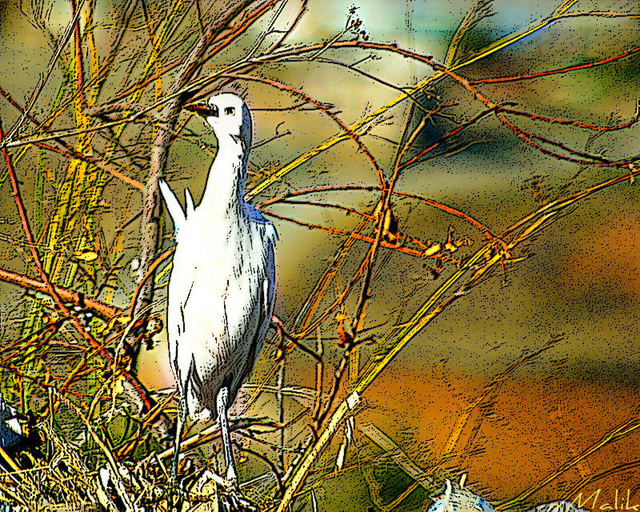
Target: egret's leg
x=222, y=404
x=182, y=418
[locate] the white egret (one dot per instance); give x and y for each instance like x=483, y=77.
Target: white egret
x=221, y=288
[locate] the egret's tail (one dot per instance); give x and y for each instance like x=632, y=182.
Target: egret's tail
x=173, y=206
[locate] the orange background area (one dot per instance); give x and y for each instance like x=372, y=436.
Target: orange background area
x=529, y=429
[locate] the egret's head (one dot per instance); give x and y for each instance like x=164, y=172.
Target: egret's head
x=227, y=114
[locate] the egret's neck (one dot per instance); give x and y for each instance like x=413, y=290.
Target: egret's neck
x=224, y=192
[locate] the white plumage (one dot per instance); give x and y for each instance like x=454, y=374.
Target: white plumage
x=10, y=429
x=221, y=287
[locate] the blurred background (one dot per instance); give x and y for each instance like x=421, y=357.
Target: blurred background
x=575, y=295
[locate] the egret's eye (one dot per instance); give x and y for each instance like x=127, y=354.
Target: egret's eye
x=214, y=111
x=229, y=111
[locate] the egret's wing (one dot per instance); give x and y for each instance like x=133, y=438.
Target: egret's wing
x=270, y=233
x=265, y=293
x=173, y=206
x=269, y=282
x=263, y=323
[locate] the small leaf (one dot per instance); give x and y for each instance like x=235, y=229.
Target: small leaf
x=87, y=256
x=434, y=249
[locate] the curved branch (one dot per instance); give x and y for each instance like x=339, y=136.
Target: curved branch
x=320, y=106
x=104, y=311
x=370, y=188
x=551, y=72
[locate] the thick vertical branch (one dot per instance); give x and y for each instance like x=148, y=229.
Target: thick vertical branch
x=319, y=384
x=280, y=400
x=150, y=229
x=78, y=55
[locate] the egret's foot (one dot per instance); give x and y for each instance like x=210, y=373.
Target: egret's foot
x=234, y=501
x=227, y=492
x=174, y=486
x=174, y=494
x=207, y=477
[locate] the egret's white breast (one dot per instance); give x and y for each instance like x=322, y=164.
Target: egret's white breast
x=221, y=297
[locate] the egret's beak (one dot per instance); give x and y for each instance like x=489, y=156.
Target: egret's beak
x=203, y=109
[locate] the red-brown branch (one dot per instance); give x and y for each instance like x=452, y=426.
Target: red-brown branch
x=528, y=137
x=369, y=218
x=364, y=238
x=433, y=146
x=283, y=54
x=331, y=188
x=551, y=72
x=570, y=122
x=320, y=106
x=104, y=311
x=137, y=386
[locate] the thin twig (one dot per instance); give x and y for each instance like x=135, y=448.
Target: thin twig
x=47, y=74
x=552, y=72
